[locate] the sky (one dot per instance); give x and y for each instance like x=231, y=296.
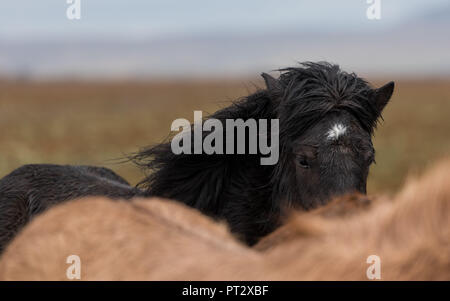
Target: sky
x=168, y=38
x=154, y=18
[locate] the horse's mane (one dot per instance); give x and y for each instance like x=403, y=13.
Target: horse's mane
x=301, y=97
x=316, y=89
x=200, y=180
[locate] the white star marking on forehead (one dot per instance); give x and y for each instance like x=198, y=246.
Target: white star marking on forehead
x=336, y=131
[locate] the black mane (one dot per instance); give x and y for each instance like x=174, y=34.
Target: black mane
x=316, y=89
x=236, y=187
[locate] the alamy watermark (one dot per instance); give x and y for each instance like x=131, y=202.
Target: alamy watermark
x=73, y=272
x=73, y=11
x=373, y=272
x=256, y=142
x=373, y=12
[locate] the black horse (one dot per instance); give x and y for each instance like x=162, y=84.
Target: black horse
x=31, y=189
x=326, y=121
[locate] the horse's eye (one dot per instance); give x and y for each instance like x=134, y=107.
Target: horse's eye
x=303, y=162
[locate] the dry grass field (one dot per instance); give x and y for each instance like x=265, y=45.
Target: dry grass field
x=95, y=123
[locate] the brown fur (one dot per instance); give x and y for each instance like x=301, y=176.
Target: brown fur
x=162, y=240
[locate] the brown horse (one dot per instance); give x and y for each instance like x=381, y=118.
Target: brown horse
x=163, y=240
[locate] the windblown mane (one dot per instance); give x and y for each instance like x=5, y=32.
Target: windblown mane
x=201, y=180
x=303, y=95
x=316, y=89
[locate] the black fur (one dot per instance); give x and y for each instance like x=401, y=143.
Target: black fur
x=31, y=189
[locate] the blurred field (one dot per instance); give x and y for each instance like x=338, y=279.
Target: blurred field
x=94, y=123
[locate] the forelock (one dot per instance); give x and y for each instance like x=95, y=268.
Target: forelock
x=315, y=89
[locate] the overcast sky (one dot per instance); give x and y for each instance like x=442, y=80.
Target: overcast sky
x=146, y=38
x=152, y=18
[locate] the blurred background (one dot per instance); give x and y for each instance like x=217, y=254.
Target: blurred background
x=92, y=90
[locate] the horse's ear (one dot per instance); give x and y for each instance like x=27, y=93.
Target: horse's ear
x=272, y=84
x=383, y=94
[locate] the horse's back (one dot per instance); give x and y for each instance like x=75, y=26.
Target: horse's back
x=31, y=189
